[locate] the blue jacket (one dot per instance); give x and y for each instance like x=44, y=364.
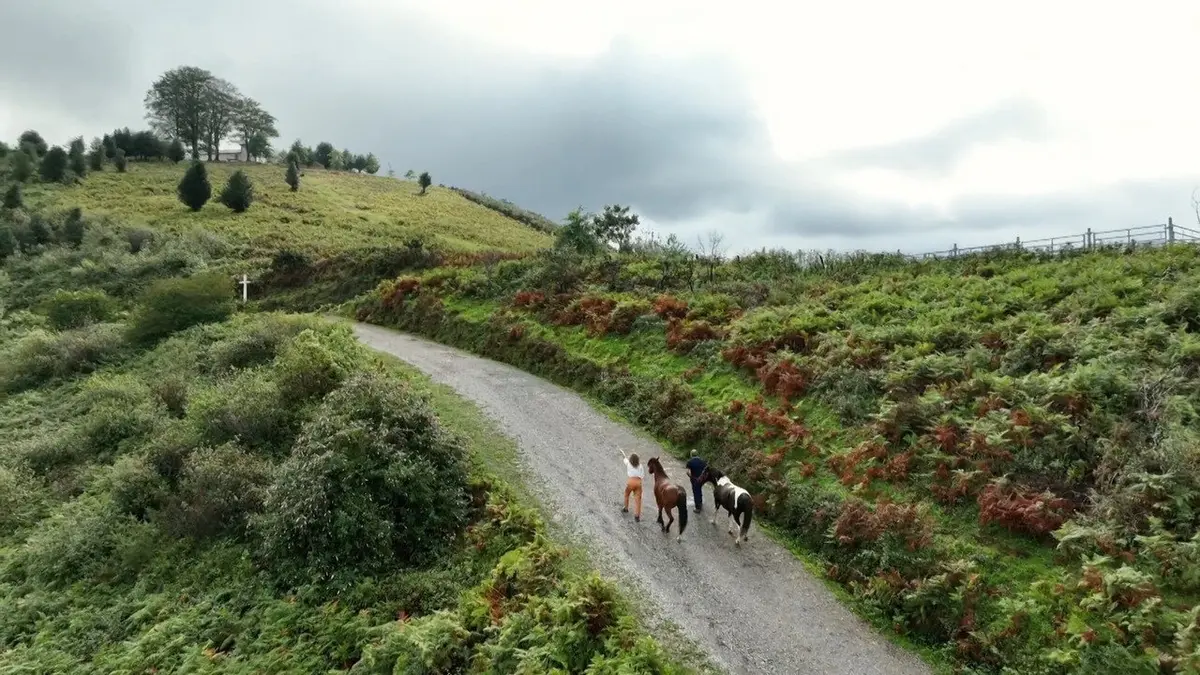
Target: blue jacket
x=696, y=466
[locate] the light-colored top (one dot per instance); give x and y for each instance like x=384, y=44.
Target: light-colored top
x=632, y=471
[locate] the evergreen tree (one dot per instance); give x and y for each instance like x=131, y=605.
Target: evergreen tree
x=76, y=157
x=54, y=165
x=12, y=197
x=424, y=181
x=238, y=193
x=74, y=227
x=96, y=159
x=8, y=241
x=175, y=152
x=33, y=139
x=293, y=176
x=119, y=161
x=371, y=164
x=194, y=188
x=22, y=166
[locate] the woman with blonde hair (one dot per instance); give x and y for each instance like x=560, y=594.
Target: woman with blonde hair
x=634, y=472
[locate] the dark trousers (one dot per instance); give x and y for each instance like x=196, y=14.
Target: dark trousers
x=698, y=492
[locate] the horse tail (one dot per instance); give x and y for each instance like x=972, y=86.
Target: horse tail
x=747, y=514
x=683, y=509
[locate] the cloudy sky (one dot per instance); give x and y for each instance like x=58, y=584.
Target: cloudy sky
x=865, y=125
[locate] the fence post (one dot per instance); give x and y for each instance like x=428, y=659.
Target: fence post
x=954, y=251
x=1170, y=230
x=1087, y=239
x=1018, y=243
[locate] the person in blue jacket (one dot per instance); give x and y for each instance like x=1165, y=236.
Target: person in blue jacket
x=696, y=467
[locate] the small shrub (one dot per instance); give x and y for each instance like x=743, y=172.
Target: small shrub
x=76, y=309
x=238, y=193
x=135, y=487
x=247, y=409
x=138, y=239
x=172, y=392
x=219, y=489
x=8, y=241
x=314, y=364
x=625, y=314
x=95, y=160
x=171, y=305
x=119, y=161
x=21, y=500
x=194, y=190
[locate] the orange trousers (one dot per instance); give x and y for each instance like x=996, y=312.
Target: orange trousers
x=634, y=487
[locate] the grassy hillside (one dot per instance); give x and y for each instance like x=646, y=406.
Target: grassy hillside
x=997, y=457
x=242, y=496
x=333, y=210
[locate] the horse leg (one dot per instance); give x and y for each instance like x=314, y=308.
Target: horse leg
x=716, y=511
x=670, y=520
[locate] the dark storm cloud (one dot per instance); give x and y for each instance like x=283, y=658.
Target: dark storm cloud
x=939, y=152
x=678, y=139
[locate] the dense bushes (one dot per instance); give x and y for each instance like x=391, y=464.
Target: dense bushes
x=75, y=309
x=979, y=412
x=42, y=355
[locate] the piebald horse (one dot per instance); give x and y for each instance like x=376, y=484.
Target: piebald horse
x=668, y=496
x=736, y=500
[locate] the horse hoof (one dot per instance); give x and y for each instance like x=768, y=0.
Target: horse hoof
x=678, y=539
x=737, y=542
x=714, y=522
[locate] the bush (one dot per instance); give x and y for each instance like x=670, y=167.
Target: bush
x=75, y=309
x=248, y=410
x=219, y=490
x=119, y=161
x=12, y=197
x=194, y=189
x=135, y=488
x=373, y=480
x=74, y=228
x=54, y=166
x=315, y=363
x=255, y=342
x=171, y=305
x=42, y=355
x=21, y=501
x=8, y=241
x=175, y=152
x=138, y=238
x=238, y=193
x=96, y=160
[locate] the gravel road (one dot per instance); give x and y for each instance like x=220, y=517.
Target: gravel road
x=755, y=609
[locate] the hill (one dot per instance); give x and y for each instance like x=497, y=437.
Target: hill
x=172, y=498
x=333, y=211
x=995, y=456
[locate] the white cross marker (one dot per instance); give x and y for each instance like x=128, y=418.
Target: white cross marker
x=245, y=283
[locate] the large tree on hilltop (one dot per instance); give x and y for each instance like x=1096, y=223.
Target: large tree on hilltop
x=254, y=127
x=222, y=101
x=177, y=102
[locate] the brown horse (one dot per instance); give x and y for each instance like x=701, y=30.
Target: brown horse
x=667, y=496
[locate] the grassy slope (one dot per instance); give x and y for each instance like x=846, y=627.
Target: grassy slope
x=918, y=385
x=333, y=210
x=84, y=585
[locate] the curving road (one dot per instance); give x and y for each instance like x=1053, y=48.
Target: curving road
x=754, y=609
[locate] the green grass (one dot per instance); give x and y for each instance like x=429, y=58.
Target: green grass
x=333, y=210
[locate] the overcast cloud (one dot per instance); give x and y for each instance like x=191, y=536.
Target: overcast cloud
x=680, y=139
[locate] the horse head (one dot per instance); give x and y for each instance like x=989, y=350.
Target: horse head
x=710, y=475
x=655, y=467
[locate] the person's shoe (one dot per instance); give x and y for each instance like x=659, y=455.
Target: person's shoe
x=637, y=519
x=625, y=509
x=697, y=509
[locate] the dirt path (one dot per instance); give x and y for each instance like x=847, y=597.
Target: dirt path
x=755, y=609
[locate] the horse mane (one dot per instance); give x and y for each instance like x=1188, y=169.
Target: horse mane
x=656, y=467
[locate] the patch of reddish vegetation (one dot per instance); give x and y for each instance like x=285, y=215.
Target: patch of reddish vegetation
x=783, y=379
x=669, y=307
x=683, y=336
x=405, y=287
x=529, y=299
x=1023, y=510
x=858, y=524
x=516, y=332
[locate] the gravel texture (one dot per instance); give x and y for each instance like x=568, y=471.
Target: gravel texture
x=755, y=609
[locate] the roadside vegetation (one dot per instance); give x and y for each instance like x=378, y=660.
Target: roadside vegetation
x=995, y=456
